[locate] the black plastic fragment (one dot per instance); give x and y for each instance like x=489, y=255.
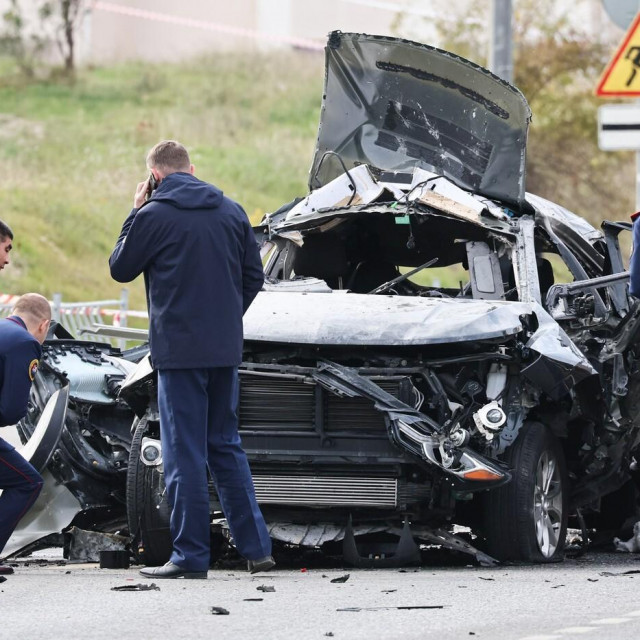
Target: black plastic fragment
x=137, y=587
x=623, y=573
x=266, y=588
x=428, y=606
x=219, y=611
x=343, y=578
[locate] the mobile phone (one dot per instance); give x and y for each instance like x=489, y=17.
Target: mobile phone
x=153, y=185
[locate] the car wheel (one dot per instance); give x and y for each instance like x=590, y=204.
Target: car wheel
x=148, y=509
x=526, y=520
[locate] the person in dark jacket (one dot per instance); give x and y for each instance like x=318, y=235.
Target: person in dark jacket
x=21, y=335
x=202, y=270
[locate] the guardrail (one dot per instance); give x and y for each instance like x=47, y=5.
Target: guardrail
x=78, y=316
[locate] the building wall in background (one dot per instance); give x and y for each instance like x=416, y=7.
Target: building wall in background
x=158, y=30
x=163, y=30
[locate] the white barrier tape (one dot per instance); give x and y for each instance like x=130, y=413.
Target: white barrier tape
x=207, y=26
x=8, y=299
x=88, y=311
x=119, y=313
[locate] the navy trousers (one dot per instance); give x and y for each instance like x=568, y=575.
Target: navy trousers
x=21, y=484
x=199, y=429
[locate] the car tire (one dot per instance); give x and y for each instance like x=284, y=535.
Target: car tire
x=526, y=520
x=148, y=511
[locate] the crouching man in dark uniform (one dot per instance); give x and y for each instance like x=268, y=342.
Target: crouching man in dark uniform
x=202, y=270
x=21, y=335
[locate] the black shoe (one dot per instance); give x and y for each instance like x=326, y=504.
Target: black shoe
x=262, y=564
x=5, y=571
x=171, y=570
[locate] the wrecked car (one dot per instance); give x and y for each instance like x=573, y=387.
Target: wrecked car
x=434, y=345
x=77, y=434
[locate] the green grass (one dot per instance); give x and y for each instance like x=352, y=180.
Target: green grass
x=71, y=154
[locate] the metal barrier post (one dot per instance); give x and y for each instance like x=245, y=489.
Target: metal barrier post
x=124, y=307
x=57, y=304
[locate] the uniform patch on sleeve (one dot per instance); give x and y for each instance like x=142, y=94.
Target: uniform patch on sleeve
x=33, y=368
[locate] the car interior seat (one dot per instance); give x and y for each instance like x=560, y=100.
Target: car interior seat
x=322, y=256
x=370, y=274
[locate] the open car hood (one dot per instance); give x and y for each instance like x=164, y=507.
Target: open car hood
x=396, y=105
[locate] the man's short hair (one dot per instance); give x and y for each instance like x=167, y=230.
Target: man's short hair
x=5, y=231
x=168, y=157
x=34, y=306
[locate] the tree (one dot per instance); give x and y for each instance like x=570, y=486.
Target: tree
x=556, y=66
x=23, y=46
x=29, y=38
x=70, y=13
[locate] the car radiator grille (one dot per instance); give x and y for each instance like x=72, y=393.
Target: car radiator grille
x=322, y=491
x=286, y=404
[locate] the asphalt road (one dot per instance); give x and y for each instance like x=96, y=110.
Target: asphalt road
x=589, y=597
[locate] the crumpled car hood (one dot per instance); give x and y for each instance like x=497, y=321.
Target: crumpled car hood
x=396, y=105
x=358, y=319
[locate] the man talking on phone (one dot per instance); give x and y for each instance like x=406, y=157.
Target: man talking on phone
x=202, y=270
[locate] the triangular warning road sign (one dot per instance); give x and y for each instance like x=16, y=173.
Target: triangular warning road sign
x=622, y=75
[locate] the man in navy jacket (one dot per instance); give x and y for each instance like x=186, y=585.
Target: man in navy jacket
x=202, y=270
x=21, y=335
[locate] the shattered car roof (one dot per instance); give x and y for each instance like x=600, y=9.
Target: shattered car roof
x=397, y=105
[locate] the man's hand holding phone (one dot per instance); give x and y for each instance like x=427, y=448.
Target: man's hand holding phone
x=144, y=191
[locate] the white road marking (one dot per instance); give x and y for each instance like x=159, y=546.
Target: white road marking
x=611, y=621
x=586, y=629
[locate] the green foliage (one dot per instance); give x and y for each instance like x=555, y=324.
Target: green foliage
x=71, y=154
x=30, y=43
x=25, y=48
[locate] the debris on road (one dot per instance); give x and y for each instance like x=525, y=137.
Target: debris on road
x=623, y=573
x=633, y=544
x=266, y=588
x=86, y=546
x=343, y=578
x=428, y=606
x=219, y=611
x=137, y=587
x=253, y=599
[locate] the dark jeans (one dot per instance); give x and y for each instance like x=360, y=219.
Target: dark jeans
x=199, y=430
x=21, y=484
